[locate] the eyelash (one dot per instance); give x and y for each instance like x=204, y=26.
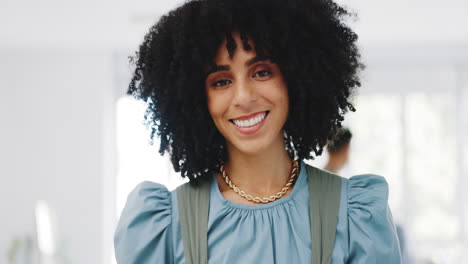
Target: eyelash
x=269, y=72
x=216, y=84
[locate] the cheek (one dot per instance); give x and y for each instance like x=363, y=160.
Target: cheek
x=215, y=105
x=281, y=95
x=211, y=107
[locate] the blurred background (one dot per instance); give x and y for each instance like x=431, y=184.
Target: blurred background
x=72, y=145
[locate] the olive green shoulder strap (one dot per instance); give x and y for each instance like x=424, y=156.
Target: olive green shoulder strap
x=325, y=192
x=193, y=204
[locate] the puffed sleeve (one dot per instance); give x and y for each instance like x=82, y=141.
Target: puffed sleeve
x=372, y=233
x=143, y=234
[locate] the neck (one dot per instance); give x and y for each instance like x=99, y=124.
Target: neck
x=260, y=174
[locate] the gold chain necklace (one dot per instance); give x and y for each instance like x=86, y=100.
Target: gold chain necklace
x=294, y=172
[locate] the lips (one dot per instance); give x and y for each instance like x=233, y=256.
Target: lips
x=248, y=116
x=250, y=124
x=249, y=120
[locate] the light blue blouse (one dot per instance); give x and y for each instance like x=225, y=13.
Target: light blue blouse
x=278, y=232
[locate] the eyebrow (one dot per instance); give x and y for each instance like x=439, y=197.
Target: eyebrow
x=217, y=68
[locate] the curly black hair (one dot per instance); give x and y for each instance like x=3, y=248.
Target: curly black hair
x=308, y=39
x=340, y=139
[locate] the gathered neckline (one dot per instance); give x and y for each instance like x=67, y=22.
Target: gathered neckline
x=299, y=182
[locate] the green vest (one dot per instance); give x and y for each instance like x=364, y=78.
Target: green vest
x=324, y=190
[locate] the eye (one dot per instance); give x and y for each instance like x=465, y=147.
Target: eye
x=221, y=83
x=262, y=73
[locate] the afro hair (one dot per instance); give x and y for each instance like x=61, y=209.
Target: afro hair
x=308, y=39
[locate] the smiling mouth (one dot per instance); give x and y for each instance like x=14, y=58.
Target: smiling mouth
x=254, y=120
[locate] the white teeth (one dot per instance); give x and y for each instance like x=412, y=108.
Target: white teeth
x=250, y=122
x=258, y=119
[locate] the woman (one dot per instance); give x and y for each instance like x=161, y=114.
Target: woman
x=240, y=92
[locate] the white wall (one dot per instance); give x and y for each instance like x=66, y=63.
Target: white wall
x=55, y=107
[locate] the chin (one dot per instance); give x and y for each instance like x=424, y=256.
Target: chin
x=251, y=150
x=252, y=147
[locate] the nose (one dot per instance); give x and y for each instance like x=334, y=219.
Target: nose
x=244, y=94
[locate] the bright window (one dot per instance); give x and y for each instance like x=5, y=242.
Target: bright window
x=138, y=160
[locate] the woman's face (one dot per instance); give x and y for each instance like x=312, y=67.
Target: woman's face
x=247, y=99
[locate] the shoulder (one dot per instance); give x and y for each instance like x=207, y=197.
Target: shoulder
x=147, y=198
x=143, y=231
x=148, y=191
x=368, y=189
x=364, y=188
x=372, y=232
